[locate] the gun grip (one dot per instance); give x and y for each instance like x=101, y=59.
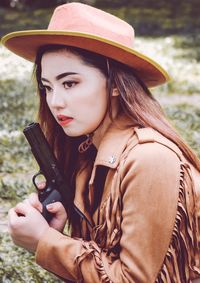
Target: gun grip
x=52, y=197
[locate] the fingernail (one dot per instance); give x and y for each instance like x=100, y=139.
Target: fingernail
x=49, y=206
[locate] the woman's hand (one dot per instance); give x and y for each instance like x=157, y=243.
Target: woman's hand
x=60, y=217
x=26, y=225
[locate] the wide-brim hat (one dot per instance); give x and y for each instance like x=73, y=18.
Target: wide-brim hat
x=83, y=26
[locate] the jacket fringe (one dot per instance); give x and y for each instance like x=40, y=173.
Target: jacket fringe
x=181, y=263
x=106, y=234
x=91, y=249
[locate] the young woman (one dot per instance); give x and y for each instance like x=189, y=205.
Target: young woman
x=130, y=175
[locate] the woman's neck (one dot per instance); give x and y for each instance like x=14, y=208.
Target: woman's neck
x=107, y=121
x=100, y=132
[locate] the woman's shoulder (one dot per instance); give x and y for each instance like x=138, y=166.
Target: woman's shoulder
x=150, y=165
x=149, y=146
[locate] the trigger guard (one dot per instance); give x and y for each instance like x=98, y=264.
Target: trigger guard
x=34, y=178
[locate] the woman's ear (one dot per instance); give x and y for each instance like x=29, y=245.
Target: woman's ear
x=115, y=92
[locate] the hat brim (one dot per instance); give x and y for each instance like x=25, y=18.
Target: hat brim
x=26, y=43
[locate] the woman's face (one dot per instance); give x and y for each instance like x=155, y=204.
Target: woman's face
x=75, y=92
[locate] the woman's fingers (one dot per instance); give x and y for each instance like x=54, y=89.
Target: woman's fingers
x=60, y=216
x=12, y=216
x=22, y=208
x=56, y=208
x=33, y=197
x=41, y=185
x=34, y=201
x=26, y=225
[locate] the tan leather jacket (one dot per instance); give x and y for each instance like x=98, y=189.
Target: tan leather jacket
x=143, y=229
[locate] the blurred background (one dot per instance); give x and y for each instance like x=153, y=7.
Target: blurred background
x=167, y=31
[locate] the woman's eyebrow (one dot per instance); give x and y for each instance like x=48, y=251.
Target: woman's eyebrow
x=60, y=76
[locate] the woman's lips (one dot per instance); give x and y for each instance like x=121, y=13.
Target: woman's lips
x=64, y=120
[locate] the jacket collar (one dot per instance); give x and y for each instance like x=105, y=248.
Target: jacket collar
x=114, y=142
x=110, y=149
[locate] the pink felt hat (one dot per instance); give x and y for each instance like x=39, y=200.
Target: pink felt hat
x=83, y=26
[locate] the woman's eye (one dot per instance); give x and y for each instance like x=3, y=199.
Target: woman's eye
x=69, y=84
x=46, y=88
x=41, y=86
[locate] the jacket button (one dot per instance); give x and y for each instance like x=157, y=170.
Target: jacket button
x=111, y=159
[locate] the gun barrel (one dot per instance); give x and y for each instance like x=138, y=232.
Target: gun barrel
x=42, y=152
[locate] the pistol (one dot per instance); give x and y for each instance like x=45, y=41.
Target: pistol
x=56, y=187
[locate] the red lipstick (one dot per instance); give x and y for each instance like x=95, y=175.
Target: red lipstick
x=64, y=120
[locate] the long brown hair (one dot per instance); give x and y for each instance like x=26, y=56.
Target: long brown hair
x=135, y=99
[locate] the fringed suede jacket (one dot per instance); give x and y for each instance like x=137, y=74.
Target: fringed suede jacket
x=145, y=228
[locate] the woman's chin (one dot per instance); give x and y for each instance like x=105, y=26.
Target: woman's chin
x=73, y=133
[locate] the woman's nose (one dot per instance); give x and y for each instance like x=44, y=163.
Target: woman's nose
x=57, y=99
